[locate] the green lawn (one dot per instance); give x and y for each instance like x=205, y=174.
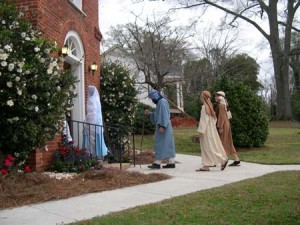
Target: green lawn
x=268, y=200
x=282, y=146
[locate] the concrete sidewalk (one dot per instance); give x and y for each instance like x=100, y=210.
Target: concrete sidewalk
x=184, y=181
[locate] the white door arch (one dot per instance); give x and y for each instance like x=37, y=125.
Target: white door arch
x=75, y=59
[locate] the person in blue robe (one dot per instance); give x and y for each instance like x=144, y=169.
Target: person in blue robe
x=164, y=146
x=93, y=136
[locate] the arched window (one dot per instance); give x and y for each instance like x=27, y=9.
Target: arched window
x=72, y=47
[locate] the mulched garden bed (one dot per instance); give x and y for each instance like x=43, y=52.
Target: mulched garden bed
x=21, y=189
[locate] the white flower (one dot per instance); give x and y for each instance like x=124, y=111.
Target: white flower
x=23, y=34
x=34, y=97
x=18, y=79
x=3, y=56
x=9, y=84
x=3, y=22
x=8, y=48
x=27, y=38
x=19, y=92
x=49, y=71
x=36, y=108
x=58, y=88
x=19, y=70
x=42, y=60
x=15, y=118
x=36, y=49
x=11, y=67
x=3, y=63
x=47, y=50
x=21, y=64
x=10, y=103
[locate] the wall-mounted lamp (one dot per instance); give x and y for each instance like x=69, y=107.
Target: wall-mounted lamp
x=93, y=67
x=64, y=51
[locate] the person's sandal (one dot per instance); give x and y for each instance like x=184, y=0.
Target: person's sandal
x=235, y=163
x=202, y=169
x=224, y=166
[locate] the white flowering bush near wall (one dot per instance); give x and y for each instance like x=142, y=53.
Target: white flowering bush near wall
x=35, y=92
x=118, y=99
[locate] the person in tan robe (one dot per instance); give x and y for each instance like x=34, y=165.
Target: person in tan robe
x=224, y=127
x=212, y=151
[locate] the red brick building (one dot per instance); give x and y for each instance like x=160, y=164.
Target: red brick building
x=73, y=23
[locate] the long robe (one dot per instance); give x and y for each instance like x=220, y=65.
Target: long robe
x=93, y=136
x=212, y=150
x=164, y=146
x=224, y=123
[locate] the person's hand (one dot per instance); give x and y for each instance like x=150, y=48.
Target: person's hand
x=201, y=135
x=220, y=131
x=146, y=112
x=161, y=130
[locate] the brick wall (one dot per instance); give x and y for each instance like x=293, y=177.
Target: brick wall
x=55, y=19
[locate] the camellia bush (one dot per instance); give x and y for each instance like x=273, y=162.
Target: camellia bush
x=35, y=91
x=142, y=124
x=249, y=122
x=118, y=100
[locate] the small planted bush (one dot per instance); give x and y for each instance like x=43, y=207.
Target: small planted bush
x=142, y=124
x=118, y=99
x=250, y=122
x=69, y=158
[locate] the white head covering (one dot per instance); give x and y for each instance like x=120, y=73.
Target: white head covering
x=221, y=97
x=222, y=93
x=94, y=114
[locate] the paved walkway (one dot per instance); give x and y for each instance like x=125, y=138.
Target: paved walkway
x=185, y=180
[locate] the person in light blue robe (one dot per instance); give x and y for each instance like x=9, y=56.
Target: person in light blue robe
x=93, y=136
x=164, y=146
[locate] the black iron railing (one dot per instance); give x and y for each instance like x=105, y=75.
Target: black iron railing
x=93, y=138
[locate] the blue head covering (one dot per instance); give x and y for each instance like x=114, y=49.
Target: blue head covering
x=155, y=95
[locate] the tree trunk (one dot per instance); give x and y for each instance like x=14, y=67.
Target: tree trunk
x=281, y=65
x=284, y=109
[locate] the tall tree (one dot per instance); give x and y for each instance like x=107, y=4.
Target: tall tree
x=295, y=59
x=243, y=68
x=157, y=47
x=281, y=17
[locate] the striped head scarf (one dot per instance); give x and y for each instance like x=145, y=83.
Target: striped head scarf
x=208, y=105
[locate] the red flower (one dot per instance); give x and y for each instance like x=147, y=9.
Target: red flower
x=4, y=172
x=27, y=169
x=11, y=158
x=7, y=163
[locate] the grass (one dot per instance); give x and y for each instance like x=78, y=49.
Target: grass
x=270, y=199
x=282, y=146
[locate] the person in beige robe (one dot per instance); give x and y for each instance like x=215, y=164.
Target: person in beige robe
x=212, y=150
x=224, y=127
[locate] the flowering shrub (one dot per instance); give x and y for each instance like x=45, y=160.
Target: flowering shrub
x=69, y=158
x=35, y=92
x=10, y=164
x=118, y=98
